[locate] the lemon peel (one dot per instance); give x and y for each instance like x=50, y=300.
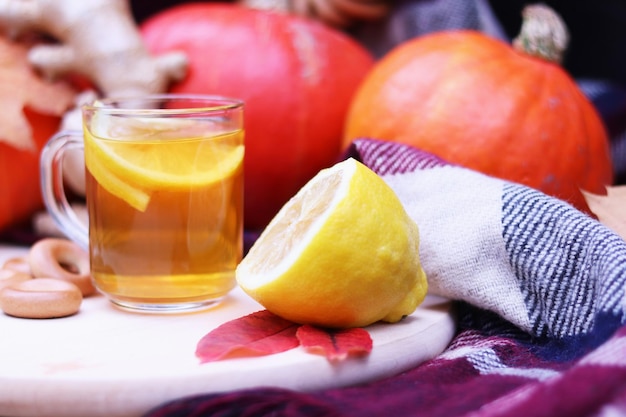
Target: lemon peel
x=341, y=253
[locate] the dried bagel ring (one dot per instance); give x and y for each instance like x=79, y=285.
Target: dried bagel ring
x=19, y=264
x=61, y=259
x=9, y=277
x=42, y=298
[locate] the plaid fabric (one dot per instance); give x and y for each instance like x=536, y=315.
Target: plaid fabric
x=540, y=293
x=504, y=247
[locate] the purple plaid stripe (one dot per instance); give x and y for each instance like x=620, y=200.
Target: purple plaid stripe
x=393, y=158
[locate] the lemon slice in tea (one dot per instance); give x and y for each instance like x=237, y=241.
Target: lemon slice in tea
x=133, y=169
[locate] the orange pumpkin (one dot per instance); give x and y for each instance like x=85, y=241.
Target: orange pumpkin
x=478, y=102
x=20, y=195
x=31, y=113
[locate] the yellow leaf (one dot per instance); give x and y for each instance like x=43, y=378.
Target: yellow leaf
x=610, y=208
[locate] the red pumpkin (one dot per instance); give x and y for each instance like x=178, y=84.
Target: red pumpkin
x=478, y=102
x=20, y=195
x=296, y=76
x=31, y=113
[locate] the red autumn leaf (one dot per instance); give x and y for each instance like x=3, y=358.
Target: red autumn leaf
x=21, y=88
x=336, y=345
x=259, y=333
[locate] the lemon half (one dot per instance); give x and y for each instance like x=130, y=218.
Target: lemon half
x=341, y=253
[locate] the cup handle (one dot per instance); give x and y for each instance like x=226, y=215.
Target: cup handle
x=52, y=189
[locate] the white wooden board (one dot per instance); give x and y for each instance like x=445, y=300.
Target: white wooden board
x=107, y=362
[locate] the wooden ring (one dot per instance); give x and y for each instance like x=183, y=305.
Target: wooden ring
x=42, y=298
x=61, y=259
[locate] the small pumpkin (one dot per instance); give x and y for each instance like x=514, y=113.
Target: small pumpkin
x=31, y=113
x=296, y=76
x=510, y=112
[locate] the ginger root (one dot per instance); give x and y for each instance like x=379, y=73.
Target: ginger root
x=97, y=39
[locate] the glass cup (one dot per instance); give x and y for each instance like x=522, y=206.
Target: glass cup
x=164, y=193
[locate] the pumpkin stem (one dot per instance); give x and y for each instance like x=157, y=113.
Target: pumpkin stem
x=543, y=33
